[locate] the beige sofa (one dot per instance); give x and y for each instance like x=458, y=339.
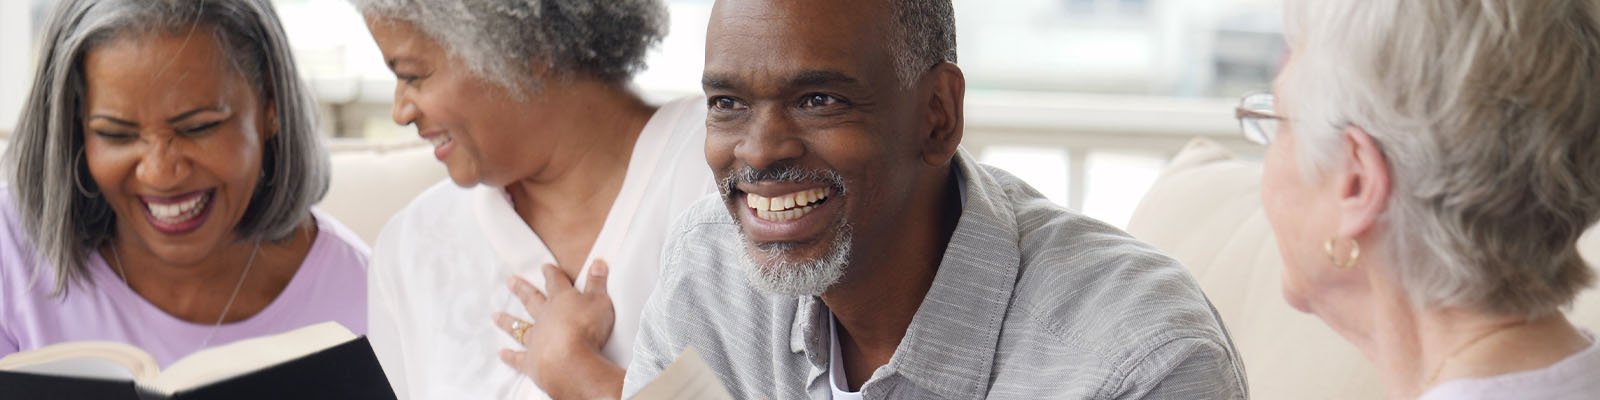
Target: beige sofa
x=1205, y=211
x=373, y=181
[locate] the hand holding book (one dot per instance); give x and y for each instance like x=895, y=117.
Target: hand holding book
x=320, y=361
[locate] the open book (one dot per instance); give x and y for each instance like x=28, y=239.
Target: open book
x=688, y=377
x=324, y=360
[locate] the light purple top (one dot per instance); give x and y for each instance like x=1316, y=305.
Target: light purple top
x=331, y=285
x=1576, y=377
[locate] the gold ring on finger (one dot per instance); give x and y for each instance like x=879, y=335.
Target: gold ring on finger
x=518, y=328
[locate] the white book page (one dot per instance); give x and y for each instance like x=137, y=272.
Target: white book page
x=101, y=360
x=237, y=358
x=80, y=367
x=687, y=378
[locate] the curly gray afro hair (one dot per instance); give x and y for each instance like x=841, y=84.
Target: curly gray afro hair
x=500, y=39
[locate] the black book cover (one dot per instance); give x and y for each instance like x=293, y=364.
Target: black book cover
x=346, y=371
x=21, y=386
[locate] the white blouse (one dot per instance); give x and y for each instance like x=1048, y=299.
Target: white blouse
x=439, y=268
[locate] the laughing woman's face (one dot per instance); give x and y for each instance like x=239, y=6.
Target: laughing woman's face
x=173, y=137
x=480, y=130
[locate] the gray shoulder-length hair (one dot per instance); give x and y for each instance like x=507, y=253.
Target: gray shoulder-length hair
x=46, y=151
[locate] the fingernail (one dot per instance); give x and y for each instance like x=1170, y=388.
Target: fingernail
x=599, y=269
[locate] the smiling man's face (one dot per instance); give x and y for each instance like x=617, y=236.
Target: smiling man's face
x=811, y=134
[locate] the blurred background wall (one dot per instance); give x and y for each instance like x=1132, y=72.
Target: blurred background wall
x=1084, y=99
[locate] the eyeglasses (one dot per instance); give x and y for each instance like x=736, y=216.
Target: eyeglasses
x=1257, y=119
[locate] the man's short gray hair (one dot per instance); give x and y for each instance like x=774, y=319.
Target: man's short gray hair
x=925, y=35
x=499, y=40
x=1486, y=113
x=46, y=151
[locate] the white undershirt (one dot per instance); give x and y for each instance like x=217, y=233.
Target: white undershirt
x=836, y=375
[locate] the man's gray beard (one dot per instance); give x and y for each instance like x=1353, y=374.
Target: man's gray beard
x=804, y=278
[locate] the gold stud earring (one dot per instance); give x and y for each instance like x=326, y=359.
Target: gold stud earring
x=1355, y=253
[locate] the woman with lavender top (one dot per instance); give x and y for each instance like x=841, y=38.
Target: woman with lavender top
x=160, y=186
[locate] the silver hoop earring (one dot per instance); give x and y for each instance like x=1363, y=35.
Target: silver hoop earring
x=78, y=180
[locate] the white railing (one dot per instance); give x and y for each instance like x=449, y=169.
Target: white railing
x=1075, y=124
x=1080, y=124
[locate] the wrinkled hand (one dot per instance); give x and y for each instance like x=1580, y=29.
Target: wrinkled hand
x=569, y=328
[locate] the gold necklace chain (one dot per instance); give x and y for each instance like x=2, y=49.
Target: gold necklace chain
x=225, y=307
x=1453, y=354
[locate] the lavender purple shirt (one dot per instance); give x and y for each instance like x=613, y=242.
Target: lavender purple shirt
x=331, y=285
x=1576, y=377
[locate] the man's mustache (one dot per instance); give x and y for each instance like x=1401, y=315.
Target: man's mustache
x=781, y=173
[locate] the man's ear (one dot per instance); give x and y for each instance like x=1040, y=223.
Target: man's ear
x=945, y=109
x=1364, y=184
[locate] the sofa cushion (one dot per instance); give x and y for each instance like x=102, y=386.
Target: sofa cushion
x=373, y=181
x=1205, y=210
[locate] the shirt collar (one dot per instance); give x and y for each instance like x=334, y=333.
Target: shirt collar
x=514, y=243
x=949, y=347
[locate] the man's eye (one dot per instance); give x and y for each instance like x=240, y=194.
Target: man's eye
x=721, y=103
x=819, y=100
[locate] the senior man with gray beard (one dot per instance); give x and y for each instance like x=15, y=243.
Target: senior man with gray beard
x=855, y=251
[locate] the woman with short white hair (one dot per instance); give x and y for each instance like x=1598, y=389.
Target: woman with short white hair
x=563, y=184
x=1431, y=165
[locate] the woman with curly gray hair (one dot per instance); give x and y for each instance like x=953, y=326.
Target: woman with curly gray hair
x=161, y=183
x=1431, y=166
x=556, y=165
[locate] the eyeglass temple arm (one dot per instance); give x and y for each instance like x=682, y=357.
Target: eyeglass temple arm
x=1242, y=113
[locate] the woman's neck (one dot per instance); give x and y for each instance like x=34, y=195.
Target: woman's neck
x=575, y=191
x=138, y=265
x=198, y=291
x=1416, y=350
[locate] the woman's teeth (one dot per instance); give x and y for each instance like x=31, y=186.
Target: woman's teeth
x=439, y=139
x=179, y=212
x=786, y=207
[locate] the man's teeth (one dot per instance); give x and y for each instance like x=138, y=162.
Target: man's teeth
x=439, y=140
x=786, y=207
x=179, y=212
